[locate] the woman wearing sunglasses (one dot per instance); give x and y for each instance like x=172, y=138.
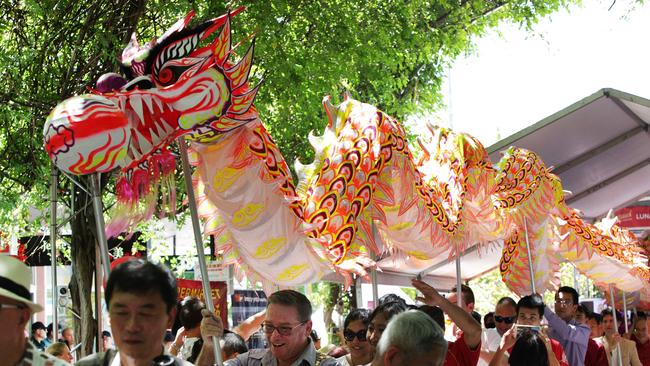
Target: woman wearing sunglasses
x=355, y=328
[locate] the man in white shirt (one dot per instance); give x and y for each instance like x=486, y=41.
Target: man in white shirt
x=505, y=315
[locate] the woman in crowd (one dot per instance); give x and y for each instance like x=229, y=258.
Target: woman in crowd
x=379, y=319
x=527, y=348
x=355, y=328
x=60, y=350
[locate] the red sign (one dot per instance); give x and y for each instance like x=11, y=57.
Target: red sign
x=219, y=292
x=634, y=217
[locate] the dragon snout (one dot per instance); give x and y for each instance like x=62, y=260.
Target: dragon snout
x=86, y=134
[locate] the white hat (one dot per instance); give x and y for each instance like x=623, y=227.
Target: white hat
x=15, y=279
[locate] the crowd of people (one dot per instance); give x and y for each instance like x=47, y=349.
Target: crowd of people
x=141, y=301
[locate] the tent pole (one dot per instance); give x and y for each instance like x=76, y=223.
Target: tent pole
x=576, y=286
x=95, y=187
x=375, y=287
x=373, y=272
x=459, y=279
x=54, y=184
x=530, y=258
x=625, y=312
x=198, y=240
x=98, y=299
x=618, y=347
x=102, y=247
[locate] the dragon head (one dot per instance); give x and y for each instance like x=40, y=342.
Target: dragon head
x=171, y=86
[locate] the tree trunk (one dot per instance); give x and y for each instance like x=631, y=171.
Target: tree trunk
x=334, y=290
x=82, y=252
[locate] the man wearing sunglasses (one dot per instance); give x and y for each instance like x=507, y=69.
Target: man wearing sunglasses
x=16, y=308
x=287, y=327
x=505, y=315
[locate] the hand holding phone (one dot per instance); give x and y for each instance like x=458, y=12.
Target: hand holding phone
x=521, y=329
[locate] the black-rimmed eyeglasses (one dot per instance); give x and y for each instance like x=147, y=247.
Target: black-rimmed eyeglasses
x=282, y=330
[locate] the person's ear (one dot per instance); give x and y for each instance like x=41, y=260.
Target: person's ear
x=172, y=317
x=25, y=314
x=308, y=327
x=470, y=306
x=392, y=356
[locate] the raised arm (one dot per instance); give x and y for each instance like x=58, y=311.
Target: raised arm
x=470, y=327
x=507, y=341
x=251, y=325
x=566, y=331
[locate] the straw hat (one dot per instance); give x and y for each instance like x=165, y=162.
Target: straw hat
x=15, y=279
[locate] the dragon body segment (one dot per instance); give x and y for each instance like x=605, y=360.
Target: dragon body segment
x=363, y=185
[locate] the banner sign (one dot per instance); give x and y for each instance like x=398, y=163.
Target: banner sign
x=634, y=217
x=246, y=303
x=219, y=292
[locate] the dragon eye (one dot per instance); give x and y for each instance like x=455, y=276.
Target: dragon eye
x=142, y=82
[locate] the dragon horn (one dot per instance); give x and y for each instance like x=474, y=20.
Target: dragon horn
x=330, y=110
x=238, y=74
x=178, y=26
x=223, y=43
x=242, y=103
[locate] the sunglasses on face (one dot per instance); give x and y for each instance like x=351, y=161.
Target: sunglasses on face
x=349, y=335
x=504, y=319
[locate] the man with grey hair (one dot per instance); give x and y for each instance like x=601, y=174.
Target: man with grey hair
x=411, y=338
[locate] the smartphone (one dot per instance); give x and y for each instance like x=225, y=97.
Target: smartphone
x=528, y=328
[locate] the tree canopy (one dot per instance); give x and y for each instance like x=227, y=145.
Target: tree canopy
x=388, y=53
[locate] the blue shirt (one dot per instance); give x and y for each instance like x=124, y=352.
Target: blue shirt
x=572, y=336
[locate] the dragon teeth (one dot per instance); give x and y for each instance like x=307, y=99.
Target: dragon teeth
x=148, y=102
x=145, y=145
x=136, y=104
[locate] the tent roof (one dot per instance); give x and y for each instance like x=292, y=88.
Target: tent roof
x=600, y=149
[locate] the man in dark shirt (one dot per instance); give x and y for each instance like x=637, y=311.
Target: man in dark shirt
x=39, y=335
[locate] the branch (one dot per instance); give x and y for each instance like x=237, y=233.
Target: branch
x=6, y=98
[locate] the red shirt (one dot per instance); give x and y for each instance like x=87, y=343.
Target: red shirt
x=596, y=355
x=643, y=350
x=559, y=352
x=459, y=354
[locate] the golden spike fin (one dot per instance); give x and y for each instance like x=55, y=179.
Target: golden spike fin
x=330, y=110
x=223, y=43
x=238, y=74
x=242, y=103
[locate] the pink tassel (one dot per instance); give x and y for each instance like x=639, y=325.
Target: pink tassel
x=167, y=162
x=140, y=183
x=124, y=191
